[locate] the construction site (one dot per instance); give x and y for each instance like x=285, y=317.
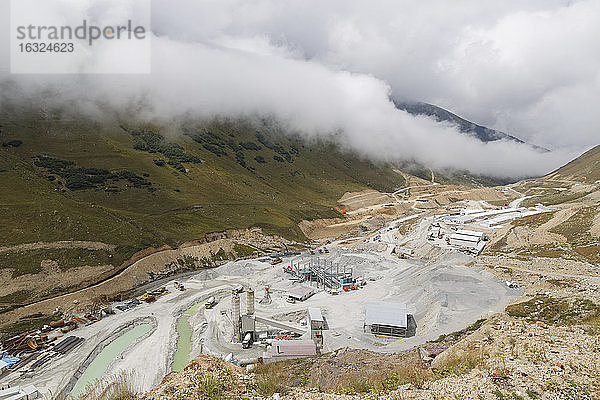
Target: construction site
x=386, y=290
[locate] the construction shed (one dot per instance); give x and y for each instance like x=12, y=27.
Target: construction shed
x=389, y=319
x=284, y=349
x=300, y=293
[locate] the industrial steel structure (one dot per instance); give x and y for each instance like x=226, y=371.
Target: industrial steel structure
x=321, y=272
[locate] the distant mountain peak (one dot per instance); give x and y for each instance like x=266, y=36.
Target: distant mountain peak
x=480, y=132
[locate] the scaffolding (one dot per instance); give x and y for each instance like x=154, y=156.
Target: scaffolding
x=321, y=272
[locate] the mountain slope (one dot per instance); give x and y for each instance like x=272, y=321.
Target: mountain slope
x=480, y=132
x=585, y=168
x=131, y=187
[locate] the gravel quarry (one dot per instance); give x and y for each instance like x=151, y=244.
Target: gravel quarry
x=442, y=291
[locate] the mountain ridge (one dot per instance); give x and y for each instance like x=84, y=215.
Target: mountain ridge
x=482, y=133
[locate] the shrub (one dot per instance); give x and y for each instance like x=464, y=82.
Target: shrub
x=216, y=150
x=153, y=142
x=250, y=146
x=12, y=143
x=79, y=178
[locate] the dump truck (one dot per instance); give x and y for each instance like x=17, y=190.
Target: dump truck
x=247, y=342
x=210, y=303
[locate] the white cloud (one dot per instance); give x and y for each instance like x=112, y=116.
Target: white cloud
x=529, y=67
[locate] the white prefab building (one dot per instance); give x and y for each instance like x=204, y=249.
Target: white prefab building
x=460, y=240
x=388, y=319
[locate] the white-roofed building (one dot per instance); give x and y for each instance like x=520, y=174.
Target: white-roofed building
x=300, y=293
x=388, y=319
x=460, y=240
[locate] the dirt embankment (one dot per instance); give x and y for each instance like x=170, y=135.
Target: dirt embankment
x=352, y=201
x=325, y=228
x=151, y=260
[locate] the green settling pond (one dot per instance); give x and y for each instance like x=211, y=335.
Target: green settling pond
x=99, y=365
x=184, y=338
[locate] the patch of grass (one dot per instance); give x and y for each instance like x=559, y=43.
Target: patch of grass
x=354, y=383
x=584, y=168
x=577, y=227
x=553, y=197
x=563, y=283
x=242, y=250
x=554, y=311
x=270, y=379
x=28, y=262
x=532, y=394
x=455, y=336
x=415, y=375
x=20, y=296
x=497, y=246
x=584, y=251
x=27, y=323
x=405, y=227
x=456, y=365
x=589, y=250
x=533, y=221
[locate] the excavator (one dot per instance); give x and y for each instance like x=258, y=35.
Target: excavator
x=276, y=261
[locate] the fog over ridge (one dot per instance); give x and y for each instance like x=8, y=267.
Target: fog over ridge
x=338, y=72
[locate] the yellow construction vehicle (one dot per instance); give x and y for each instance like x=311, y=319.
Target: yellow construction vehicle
x=147, y=297
x=276, y=261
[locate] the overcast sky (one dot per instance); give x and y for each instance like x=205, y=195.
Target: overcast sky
x=529, y=67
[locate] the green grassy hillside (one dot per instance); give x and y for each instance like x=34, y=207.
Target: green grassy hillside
x=137, y=186
x=585, y=168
